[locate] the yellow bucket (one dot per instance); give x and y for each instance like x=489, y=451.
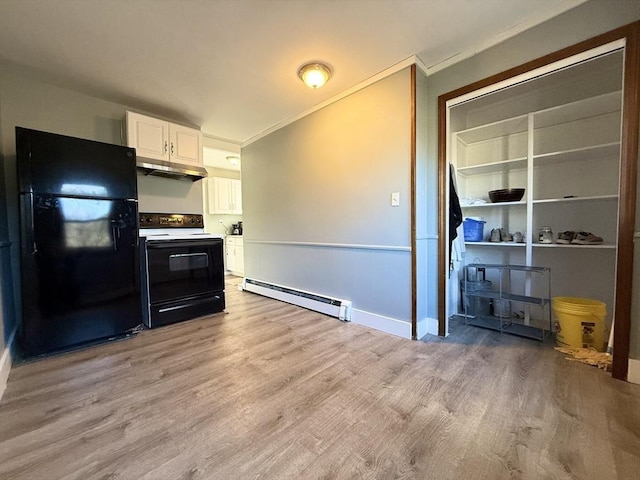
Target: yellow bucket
x=580, y=322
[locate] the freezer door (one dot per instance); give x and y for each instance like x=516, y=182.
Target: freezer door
x=80, y=274
x=61, y=165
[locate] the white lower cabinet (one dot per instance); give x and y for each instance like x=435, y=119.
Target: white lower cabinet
x=235, y=255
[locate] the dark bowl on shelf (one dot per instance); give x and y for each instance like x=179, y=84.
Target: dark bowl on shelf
x=506, y=195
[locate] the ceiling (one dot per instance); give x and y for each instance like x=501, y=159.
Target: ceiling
x=230, y=66
x=217, y=158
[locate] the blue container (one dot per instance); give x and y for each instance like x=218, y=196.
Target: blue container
x=473, y=230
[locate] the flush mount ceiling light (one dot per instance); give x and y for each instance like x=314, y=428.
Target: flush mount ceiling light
x=233, y=160
x=315, y=74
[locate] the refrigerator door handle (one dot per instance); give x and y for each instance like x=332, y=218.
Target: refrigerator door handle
x=115, y=231
x=134, y=200
x=34, y=247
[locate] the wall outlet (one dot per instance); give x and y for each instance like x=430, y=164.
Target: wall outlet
x=395, y=199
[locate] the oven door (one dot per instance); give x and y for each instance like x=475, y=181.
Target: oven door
x=180, y=269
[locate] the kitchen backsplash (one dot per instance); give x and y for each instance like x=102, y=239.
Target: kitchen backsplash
x=156, y=194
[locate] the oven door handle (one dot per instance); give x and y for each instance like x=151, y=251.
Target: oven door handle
x=179, y=255
x=191, y=303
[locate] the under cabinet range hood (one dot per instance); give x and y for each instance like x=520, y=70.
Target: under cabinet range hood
x=178, y=171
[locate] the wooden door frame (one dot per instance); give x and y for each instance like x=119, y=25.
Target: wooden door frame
x=414, y=257
x=628, y=176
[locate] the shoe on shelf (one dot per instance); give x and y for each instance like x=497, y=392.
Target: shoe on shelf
x=518, y=237
x=566, y=238
x=495, y=235
x=505, y=236
x=586, y=238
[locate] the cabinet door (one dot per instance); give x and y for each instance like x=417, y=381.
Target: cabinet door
x=220, y=196
x=231, y=254
x=239, y=259
x=236, y=196
x=185, y=144
x=148, y=135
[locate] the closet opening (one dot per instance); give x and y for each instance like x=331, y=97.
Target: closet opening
x=559, y=129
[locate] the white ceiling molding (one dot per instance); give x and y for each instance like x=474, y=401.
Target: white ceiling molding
x=561, y=7
x=209, y=141
x=407, y=62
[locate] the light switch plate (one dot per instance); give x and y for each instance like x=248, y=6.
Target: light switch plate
x=395, y=199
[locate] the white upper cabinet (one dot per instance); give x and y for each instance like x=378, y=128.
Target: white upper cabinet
x=148, y=135
x=185, y=144
x=161, y=140
x=225, y=196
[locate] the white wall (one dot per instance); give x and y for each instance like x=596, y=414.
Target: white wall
x=317, y=203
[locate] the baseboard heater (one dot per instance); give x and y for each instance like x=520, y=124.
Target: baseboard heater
x=329, y=306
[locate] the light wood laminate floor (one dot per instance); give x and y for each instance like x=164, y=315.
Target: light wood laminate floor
x=272, y=391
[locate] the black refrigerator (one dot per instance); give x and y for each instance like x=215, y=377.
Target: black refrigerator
x=79, y=255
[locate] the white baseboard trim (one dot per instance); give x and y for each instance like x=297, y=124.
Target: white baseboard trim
x=382, y=323
x=334, y=307
x=427, y=326
x=5, y=362
x=633, y=375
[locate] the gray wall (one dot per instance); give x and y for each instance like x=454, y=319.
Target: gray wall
x=581, y=23
x=426, y=220
x=318, y=189
x=28, y=102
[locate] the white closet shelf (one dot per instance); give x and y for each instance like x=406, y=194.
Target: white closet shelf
x=502, y=128
x=604, y=246
x=494, y=167
x=499, y=204
x=569, y=112
x=496, y=244
x=571, y=246
x=592, y=152
x=594, y=198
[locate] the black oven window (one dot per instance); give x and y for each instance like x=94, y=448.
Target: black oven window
x=180, y=262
